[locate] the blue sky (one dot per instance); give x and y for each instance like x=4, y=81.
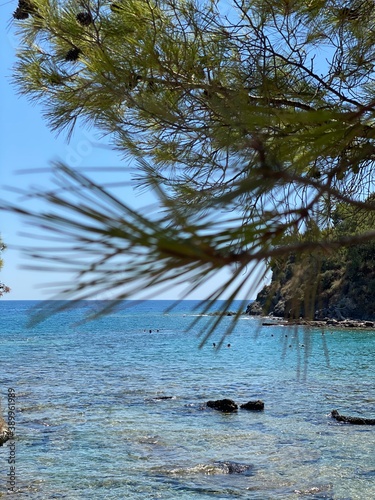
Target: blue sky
x=26, y=143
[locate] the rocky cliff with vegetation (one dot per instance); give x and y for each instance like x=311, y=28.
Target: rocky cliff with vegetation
x=339, y=284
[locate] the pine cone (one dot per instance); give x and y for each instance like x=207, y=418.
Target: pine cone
x=84, y=18
x=20, y=14
x=73, y=54
x=24, y=8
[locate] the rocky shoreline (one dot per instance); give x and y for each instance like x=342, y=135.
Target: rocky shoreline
x=278, y=317
x=327, y=322
x=270, y=320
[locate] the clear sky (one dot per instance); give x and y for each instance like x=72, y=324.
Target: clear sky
x=26, y=143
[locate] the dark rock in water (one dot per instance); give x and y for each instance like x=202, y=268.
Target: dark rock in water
x=215, y=468
x=352, y=420
x=160, y=398
x=4, y=432
x=225, y=405
x=233, y=467
x=253, y=405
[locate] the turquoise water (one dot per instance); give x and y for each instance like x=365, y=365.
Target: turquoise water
x=108, y=410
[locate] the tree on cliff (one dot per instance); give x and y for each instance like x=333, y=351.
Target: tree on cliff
x=3, y=287
x=252, y=120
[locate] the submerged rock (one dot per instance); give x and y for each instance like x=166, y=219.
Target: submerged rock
x=253, y=405
x=224, y=405
x=159, y=398
x=217, y=467
x=233, y=467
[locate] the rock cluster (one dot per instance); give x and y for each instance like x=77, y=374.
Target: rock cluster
x=229, y=406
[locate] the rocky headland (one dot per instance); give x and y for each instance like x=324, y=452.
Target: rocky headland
x=332, y=289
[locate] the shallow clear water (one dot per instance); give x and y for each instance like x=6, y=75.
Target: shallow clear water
x=108, y=410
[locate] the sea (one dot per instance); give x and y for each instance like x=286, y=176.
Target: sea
x=115, y=407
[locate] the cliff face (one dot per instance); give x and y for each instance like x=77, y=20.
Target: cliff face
x=339, y=286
